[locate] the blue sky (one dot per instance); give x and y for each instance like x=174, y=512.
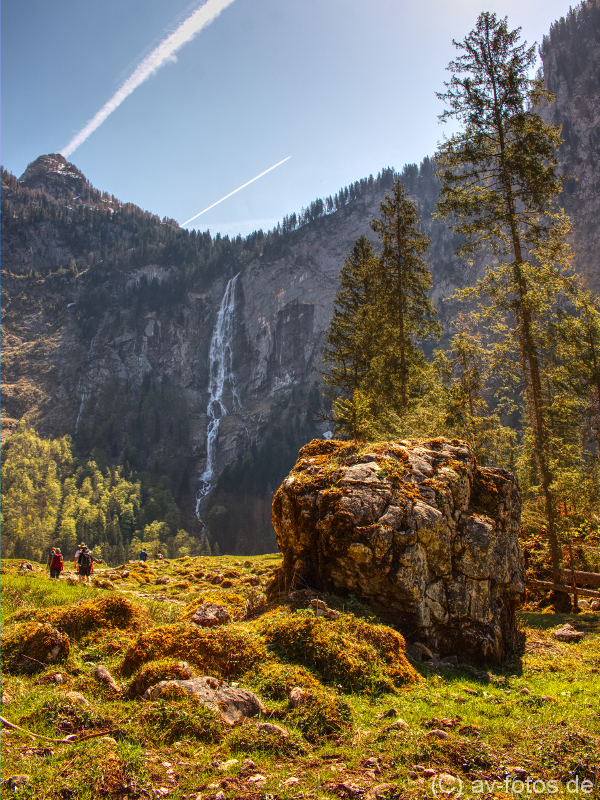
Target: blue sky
x=344, y=87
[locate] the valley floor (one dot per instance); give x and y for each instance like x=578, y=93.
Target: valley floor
x=376, y=727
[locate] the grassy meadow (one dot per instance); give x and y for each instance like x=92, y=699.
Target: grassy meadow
x=375, y=725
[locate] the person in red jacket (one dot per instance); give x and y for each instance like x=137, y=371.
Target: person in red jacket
x=56, y=564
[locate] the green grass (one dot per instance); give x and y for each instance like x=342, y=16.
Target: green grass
x=552, y=732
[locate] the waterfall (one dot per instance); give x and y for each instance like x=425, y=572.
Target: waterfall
x=221, y=377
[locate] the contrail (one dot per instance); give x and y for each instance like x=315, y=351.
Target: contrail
x=234, y=191
x=163, y=52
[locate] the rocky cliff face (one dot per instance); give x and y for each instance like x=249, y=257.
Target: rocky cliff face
x=571, y=58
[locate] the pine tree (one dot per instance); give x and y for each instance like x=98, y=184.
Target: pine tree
x=403, y=284
x=499, y=184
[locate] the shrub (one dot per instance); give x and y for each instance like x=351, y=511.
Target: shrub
x=28, y=647
x=322, y=714
x=341, y=651
x=225, y=652
x=182, y=718
x=89, y=615
x=275, y=680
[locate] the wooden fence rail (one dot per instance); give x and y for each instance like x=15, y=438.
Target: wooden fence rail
x=563, y=588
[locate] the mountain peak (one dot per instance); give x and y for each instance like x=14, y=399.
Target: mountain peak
x=54, y=175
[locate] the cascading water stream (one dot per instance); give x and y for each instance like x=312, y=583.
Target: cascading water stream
x=221, y=377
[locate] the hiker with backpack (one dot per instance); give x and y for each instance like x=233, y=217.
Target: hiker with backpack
x=49, y=559
x=56, y=564
x=85, y=562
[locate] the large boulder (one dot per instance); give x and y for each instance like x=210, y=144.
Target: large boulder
x=416, y=529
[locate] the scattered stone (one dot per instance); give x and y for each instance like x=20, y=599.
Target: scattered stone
x=227, y=765
x=321, y=609
x=125, y=574
x=391, y=712
x=78, y=698
x=474, y=692
x=72, y=581
x=220, y=796
x=100, y=583
x=436, y=733
x=595, y=605
x=17, y=781
x=412, y=775
x=385, y=534
x=568, y=634
x=103, y=675
x=247, y=763
x=372, y=763
x=164, y=579
x=429, y=773
x=257, y=779
x=517, y=773
x=545, y=698
x=275, y=730
x=298, y=696
x=399, y=725
x=584, y=605
x=421, y=651
x=26, y=567
x=6, y=698
x=108, y=740
x=452, y=660
x=349, y=789
x=210, y=615
x=232, y=704
x=290, y=781
x=525, y=691
x=382, y=791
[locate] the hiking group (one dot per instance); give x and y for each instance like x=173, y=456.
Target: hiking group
x=83, y=563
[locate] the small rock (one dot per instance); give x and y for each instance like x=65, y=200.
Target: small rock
x=321, y=609
x=519, y=773
x=429, y=773
x=419, y=768
x=275, y=730
x=453, y=660
x=584, y=605
x=209, y=615
x=77, y=697
x=298, y=696
x=351, y=789
x=233, y=704
x=568, y=634
x=399, y=725
x=423, y=649
x=247, y=763
x=391, y=712
x=19, y=780
x=220, y=796
x=290, y=782
x=372, y=762
x=545, y=698
x=103, y=675
x=525, y=691
x=257, y=779
x=595, y=605
x=164, y=579
x=437, y=734
x=413, y=775
x=108, y=740
x=474, y=692
x=226, y=765
x=382, y=791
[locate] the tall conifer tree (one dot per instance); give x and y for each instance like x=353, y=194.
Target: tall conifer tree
x=499, y=188
x=404, y=281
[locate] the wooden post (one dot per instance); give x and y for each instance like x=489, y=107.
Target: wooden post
x=573, y=583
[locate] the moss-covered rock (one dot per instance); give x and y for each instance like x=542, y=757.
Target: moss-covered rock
x=415, y=528
x=27, y=648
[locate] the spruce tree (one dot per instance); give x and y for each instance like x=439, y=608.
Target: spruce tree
x=405, y=311
x=499, y=187
x=351, y=340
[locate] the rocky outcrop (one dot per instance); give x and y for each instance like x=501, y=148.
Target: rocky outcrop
x=415, y=528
